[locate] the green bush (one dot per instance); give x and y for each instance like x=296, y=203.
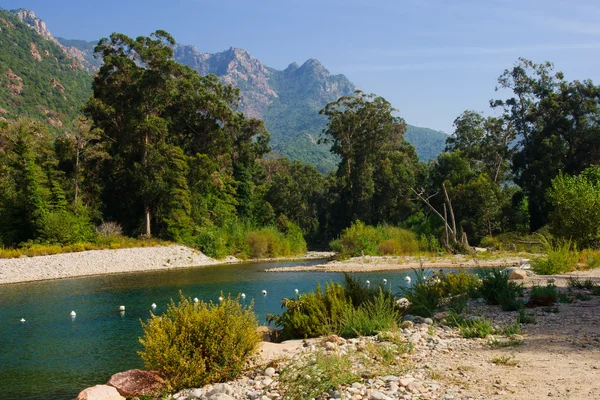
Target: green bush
x=313, y=314
x=461, y=283
x=548, y=291
x=497, y=289
x=359, y=293
x=361, y=239
x=576, y=201
x=491, y=242
x=561, y=257
x=193, y=344
x=371, y=317
x=425, y=296
x=472, y=327
x=64, y=227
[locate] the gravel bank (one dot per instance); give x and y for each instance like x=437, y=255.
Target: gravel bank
x=98, y=262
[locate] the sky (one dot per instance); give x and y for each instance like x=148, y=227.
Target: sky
x=432, y=59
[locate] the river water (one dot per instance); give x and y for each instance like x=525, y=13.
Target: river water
x=53, y=356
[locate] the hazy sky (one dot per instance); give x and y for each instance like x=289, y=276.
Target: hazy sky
x=431, y=59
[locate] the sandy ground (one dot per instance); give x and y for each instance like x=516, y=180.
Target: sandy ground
x=100, y=262
x=377, y=263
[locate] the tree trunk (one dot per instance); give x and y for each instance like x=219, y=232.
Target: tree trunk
x=147, y=215
x=77, y=151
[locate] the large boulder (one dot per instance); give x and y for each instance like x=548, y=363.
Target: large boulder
x=136, y=382
x=100, y=392
x=517, y=274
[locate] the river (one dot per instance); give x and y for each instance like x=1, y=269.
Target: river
x=53, y=356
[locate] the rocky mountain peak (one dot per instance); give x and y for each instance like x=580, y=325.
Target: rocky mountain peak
x=28, y=17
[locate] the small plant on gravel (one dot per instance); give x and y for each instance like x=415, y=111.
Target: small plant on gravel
x=511, y=342
x=565, y=298
x=544, y=292
x=385, y=358
x=424, y=295
x=576, y=283
x=553, y=310
x=371, y=317
x=525, y=318
x=315, y=374
x=193, y=344
x=471, y=327
x=505, y=360
x=583, y=296
x=513, y=329
x=457, y=304
x=497, y=289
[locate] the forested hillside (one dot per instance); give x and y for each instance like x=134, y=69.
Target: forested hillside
x=37, y=78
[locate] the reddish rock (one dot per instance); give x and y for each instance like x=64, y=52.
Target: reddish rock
x=136, y=382
x=517, y=274
x=100, y=392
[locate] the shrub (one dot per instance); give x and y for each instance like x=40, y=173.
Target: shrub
x=524, y=318
x=497, y=289
x=360, y=293
x=472, y=327
x=313, y=314
x=424, y=296
x=544, y=292
x=64, y=227
x=561, y=257
x=371, y=317
x=578, y=284
x=361, y=239
x=193, y=344
x=490, y=242
x=459, y=284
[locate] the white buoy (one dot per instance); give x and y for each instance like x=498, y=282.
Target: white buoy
x=296, y=291
x=243, y=295
x=385, y=281
x=368, y=282
x=73, y=314
x=121, y=308
x=153, y=306
x=264, y=292
x=407, y=279
x=195, y=300
x=22, y=319
x=220, y=298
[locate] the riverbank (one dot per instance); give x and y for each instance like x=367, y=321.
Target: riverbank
x=391, y=263
x=554, y=355
x=102, y=262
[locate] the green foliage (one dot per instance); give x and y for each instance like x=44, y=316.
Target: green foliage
x=505, y=360
x=497, y=289
x=52, y=88
x=65, y=227
x=193, y=344
x=361, y=239
x=561, y=256
x=377, y=315
x=545, y=292
x=576, y=283
x=425, y=296
x=525, y=318
x=461, y=283
x=471, y=327
x=312, y=376
x=576, y=202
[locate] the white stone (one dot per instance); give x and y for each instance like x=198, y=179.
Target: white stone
x=100, y=392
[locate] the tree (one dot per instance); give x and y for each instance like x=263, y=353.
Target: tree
x=364, y=133
x=557, y=129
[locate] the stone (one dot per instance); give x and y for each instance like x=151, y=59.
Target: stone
x=195, y=394
x=100, y=392
x=270, y=371
x=415, y=387
x=409, y=317
x=377, y=395
x=428, y=321
x=407, y=325
x=267, y=381
x=221, y=388
x=406, y=381
x=220, y=396
x=390, y=378
x=336, y=394
x=330, y=346
x=136, y=382
x=517, y=274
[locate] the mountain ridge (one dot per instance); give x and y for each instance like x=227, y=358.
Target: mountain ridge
x=287, y=100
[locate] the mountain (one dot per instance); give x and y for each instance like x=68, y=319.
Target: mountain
x=38, y=77
x=288, y=101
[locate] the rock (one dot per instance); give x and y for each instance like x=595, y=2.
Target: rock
x=390, y=378
x=336, y=394
x=195, y=394
x=406, y=381
x=428, y=321
x=409, y=317
x=136, y=382
x=407, y=325
x=220, y=388
x=415, y=387
x=330, y=346
x=517, y=274
x=220, y=396
x=377, y=395
x=267, y=381
x=100, y=392
x=270, y=371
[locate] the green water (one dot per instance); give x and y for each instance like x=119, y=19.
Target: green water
x=53, y=356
